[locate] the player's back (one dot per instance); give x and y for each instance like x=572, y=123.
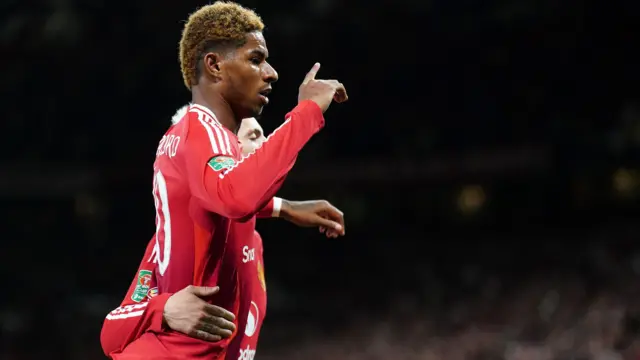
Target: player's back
x=190, y=241
x=175, y=231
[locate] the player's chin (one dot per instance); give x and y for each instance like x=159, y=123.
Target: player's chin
x=251, y=110
x=257, y=110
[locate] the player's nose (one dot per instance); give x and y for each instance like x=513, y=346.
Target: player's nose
x=270, y=74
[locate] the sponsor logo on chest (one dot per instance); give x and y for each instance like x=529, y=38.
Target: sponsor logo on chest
x=248, y=254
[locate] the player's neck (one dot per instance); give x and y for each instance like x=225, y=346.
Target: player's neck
x=214, y=102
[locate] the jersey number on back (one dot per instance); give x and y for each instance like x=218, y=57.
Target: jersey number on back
x=162, y=249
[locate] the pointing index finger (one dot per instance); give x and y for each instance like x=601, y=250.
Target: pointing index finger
x=311, y=75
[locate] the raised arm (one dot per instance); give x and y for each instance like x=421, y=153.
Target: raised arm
x=239, y=188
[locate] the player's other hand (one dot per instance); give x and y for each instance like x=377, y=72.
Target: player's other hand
x=313, y=213
x=187, y=312
x=322, y=92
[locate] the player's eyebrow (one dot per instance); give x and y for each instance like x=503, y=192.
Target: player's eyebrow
x=261, y=52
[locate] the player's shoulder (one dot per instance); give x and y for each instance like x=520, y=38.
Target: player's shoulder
x=202, y=115
x=197, y=125
x=193, y=113
x=196, y=116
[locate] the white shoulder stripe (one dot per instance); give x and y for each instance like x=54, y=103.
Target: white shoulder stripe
x=225, y=134
x=212, y=139
x=216, y=145
x=220, y=141
x=205, y=110
x=219, y=132
x=227, y=142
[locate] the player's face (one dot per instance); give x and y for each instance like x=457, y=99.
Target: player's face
x=248, y=77
x=250, y=135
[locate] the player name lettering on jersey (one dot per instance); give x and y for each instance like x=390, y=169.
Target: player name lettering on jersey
x=249, y=254
x=168, y=145
x=247, y=354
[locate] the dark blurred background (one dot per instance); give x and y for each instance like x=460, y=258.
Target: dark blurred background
x=487, y=163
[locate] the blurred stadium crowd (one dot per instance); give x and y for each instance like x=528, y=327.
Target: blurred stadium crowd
x=584, y=306
x=487, y=163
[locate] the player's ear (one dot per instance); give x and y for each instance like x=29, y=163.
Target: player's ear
x=211, y=64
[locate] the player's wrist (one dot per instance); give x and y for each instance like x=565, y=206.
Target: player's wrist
x=164, y=303
x=285, y=208
x=277, y=206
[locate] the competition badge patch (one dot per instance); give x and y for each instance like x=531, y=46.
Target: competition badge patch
x=221, y=163
x=142, y=286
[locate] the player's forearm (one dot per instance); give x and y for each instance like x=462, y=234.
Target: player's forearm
x=244, y=188
x=277, y=207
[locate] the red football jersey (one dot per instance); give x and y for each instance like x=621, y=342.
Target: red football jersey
x=141, y=309
x=253, y=302
x=205, y=221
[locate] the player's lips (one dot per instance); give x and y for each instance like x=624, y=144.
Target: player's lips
x=263, y=94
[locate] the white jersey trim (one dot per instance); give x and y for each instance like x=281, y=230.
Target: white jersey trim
x=218, y=136
x=206, y=110
x=127, y=311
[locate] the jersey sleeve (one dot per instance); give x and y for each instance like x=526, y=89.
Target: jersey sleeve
x=239, y=189
x=139, y=312
x=272, y=209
